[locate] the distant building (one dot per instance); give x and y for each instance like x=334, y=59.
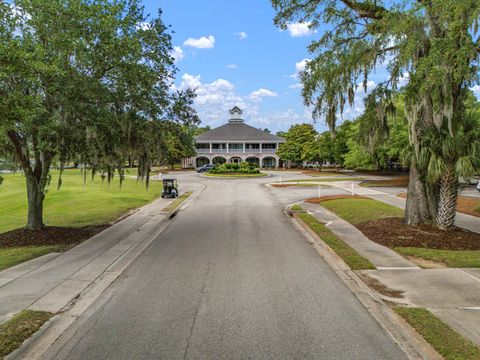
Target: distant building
x=235, y=142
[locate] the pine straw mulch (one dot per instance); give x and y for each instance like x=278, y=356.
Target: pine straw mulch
x=392, y=232
x=398, y=181
x=49, y=235
x=465, y=204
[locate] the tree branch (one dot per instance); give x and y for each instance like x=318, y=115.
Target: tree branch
x=364, y=10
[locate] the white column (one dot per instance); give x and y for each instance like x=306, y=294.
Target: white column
x=260, y=148
x=210, y=148
x=228, y=150
x=243, y=148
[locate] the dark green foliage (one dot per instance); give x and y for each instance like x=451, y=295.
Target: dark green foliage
x=242, y=168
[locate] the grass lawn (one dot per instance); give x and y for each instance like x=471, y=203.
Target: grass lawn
x=324, y=173
x=350, y=256
x=74, y=205
x=345, y=178
x=447, y=342
x=450, y=258
x=356, y=211
x=11, y=256
x=235, y=175
x=19, y=328
x=177, y=202
x=303, y=185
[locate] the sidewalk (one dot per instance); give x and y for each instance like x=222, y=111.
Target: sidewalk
x=453, y=295
x=50, y=282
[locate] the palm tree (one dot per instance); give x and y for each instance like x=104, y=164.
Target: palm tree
x=450, y=154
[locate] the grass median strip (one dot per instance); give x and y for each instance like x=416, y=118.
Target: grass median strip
x=345, y=178
x=11, y=256
x=177, y=202
x=19, y=328
x=450, y=258
x=350, y=256
x=358, y=210
x=447, y=342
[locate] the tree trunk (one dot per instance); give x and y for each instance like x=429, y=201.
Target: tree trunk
x=447, y=206
x=35, y=196
x=422, y=200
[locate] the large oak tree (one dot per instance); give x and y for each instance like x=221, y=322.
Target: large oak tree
x=432, y=45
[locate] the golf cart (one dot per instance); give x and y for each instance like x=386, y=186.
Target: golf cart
x=170, y=188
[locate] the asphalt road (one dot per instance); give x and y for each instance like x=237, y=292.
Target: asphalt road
x=229, y=278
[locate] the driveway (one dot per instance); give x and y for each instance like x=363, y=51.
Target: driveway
x=229, y=278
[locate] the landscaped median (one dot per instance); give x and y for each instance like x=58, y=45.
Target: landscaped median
x=383, y=224
x=177, y=202
x=348, y=255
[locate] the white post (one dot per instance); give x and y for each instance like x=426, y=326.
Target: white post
x=319, y=191
x=210, y=147
x=353, y=190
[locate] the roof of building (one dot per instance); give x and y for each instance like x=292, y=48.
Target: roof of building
x=237, y=130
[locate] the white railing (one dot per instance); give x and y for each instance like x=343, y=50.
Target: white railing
x=202, y=151
x=269, y=151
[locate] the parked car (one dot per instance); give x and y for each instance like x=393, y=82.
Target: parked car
x=205, y=168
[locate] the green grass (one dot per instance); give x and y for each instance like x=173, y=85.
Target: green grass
x=356, y=211
x=75, y=205
x=230, y=175
x=19, y=328
x=451, y=258
x=349, y=255
x=177, y=202
x=322, y=186
x=296, y=207
x=345, y=178
x=12, y=256
x=447, y=342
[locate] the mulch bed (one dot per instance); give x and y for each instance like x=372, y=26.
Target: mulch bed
x=392, y=232
x=318, y=200
x=399, y=181
x=49, y=235
x=465, y=204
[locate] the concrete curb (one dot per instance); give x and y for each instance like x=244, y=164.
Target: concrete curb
x=409, y=341
x=35, y=346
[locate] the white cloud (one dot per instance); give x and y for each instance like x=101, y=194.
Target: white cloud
x=301, y=65
x=299, y=29
x=201, y=43
x=296, y=86
x=231, y=66
x=177, y=53
x=242, y=35
x=257, y=95
x=476, y=90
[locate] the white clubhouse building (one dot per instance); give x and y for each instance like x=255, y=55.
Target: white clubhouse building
x=235, y=142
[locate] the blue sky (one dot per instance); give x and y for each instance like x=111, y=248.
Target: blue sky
x=233, y=54
x=236, y=55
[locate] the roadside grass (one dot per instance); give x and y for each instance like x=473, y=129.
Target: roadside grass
x=349, y=256
x=75, y=204
x=19, y=328
x=358, y=210
x=11, y=256
x=235, y=175
x=303, y=185
x=296, y=207
x=344, y=178
x=450, y=258
x=399, y=181
x=447, y=342
x=177, y=202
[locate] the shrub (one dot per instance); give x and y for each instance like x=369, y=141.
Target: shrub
x=243, y=167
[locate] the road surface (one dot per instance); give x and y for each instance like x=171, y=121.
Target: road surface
x=229, y=278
